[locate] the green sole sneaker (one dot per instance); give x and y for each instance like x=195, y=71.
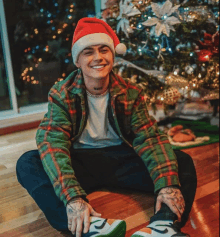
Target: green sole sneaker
x=100, y=227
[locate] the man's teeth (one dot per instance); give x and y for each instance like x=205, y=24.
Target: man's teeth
x=98, y=66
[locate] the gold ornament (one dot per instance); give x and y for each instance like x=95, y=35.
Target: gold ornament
x=176, y=81
x=211, y=96
x=170, y=96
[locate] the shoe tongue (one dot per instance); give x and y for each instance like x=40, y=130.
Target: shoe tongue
x=94, y=218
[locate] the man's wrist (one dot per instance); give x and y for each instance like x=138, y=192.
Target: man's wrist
x=76, y=199
x=171, y=186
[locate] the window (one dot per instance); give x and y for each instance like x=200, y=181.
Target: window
x=40, y=37
x=4, y=92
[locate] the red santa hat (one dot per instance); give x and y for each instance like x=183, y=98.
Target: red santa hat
x=93, y=31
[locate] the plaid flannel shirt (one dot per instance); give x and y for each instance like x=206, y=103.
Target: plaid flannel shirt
x=66, y=119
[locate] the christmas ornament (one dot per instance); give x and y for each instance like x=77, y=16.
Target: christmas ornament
x=164, y=20
x=204, y=55
x=211, y=42
x=110, y=3
x=211, y=96
x=201, y=13
x=127, y=9
x=170, y=96
x=194, y=94
x=189, y=69
x=176, y=81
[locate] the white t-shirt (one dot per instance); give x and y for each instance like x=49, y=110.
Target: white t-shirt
x=98, y=132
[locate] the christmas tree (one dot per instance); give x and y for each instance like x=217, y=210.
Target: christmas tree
x=172, y=47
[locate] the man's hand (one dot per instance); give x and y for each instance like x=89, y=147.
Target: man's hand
x=78, y=213
x=173, y=198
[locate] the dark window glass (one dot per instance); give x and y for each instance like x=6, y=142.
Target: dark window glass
x=40, y=36
x=4, y=93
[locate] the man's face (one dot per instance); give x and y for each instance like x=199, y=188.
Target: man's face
x=96, y=62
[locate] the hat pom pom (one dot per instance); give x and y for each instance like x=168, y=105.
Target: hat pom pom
x=120, y=48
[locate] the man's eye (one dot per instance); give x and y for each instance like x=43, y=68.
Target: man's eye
x=88, y=52
x=104, y=50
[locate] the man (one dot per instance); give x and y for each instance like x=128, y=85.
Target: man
x=97, y=133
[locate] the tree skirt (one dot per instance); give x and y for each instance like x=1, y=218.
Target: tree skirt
x=205, y=134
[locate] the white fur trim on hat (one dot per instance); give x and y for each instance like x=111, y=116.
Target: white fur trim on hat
x=89, y=40
x=121, y=48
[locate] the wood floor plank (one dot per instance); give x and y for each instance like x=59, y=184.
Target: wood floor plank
x=14, y=223
x=205, y=213
x=3, y=167
x=207, y=189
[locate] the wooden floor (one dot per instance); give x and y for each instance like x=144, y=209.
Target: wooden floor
x=20, y=216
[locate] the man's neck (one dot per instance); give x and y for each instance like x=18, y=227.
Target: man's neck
x=97, y=87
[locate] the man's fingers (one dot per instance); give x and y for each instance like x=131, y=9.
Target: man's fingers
x=73, y=227
x=86, y=224
x=158, y=205
x=181, y=208
x=94, y=213
x=79, y=228
x=70, y=220
x=175, y=210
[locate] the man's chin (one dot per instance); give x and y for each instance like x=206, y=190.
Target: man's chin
x=101, y=77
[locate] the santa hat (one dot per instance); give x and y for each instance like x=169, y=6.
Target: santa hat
x=93, y=31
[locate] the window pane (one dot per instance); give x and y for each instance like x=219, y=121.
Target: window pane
x=40, y=36
x=4, y=92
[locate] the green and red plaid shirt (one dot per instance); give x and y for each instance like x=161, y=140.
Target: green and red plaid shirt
x=66, y=119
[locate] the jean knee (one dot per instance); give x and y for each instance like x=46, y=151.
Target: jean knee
x=186, y=164
x=24, y=162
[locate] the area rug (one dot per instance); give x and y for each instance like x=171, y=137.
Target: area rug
x=202, y=130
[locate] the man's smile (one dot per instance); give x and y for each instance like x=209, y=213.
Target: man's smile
x=98, y=66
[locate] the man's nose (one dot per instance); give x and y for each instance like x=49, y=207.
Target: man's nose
x=97, y=55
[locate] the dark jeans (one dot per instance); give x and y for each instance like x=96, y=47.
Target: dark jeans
x=117, y=166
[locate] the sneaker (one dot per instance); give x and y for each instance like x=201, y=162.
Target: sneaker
x=160, y=229
x=100, y=227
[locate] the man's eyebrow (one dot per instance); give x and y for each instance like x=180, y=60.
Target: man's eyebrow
x=103, y=46
x=91, y=48
x=88, y=48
